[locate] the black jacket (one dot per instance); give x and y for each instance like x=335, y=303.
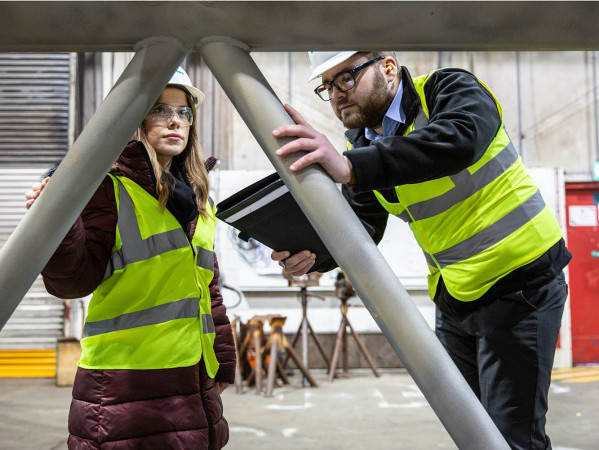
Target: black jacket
x=463, y=121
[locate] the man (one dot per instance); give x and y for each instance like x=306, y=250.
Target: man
x=433, y=150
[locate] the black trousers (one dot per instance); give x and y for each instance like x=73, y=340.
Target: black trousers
x=505, y=350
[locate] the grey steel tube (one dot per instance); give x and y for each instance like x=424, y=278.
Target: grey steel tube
x=37, y=236
x=415, y=343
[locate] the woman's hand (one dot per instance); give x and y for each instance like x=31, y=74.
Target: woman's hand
x=35, y=191
x=296, y=265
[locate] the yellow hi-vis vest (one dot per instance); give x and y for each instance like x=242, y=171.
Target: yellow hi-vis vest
x=480, y=224
x=153, y=308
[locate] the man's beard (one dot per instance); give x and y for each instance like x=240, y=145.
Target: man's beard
x=369, y=115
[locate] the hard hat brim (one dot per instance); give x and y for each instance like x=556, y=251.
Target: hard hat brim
x=330, y=63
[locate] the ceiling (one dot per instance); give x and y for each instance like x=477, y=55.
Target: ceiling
x=51, y=26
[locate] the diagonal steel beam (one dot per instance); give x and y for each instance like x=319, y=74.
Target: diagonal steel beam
x=377, y=285
x=37, y=236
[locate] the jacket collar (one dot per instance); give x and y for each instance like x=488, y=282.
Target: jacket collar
x=134, y=163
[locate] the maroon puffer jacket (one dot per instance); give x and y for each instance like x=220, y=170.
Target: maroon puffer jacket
x=136, y=409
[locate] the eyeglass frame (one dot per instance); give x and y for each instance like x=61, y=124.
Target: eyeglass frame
x=174, y=112
x=351, y=72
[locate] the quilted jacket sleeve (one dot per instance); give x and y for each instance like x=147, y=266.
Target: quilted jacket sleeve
x=224, y=346
x=78, y=265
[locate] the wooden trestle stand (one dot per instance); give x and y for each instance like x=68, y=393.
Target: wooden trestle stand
x=262, y=354
x=278, y=340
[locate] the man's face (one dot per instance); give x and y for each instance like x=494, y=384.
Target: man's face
x=367, y=102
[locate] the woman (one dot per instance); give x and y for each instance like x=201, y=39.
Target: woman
x=157, y=347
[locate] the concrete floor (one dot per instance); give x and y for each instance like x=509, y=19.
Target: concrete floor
x=357, y=411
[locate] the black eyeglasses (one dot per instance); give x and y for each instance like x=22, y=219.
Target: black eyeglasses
x=344, y=81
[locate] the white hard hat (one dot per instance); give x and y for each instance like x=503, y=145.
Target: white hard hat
x=181, y=80
x=320, y=62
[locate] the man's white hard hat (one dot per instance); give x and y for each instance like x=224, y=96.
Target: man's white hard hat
x=181, y=80
x=320, y=62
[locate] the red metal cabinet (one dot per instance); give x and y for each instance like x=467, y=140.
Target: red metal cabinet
x=582, y=216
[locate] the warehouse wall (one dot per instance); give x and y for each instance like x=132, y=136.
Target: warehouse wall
x=549, y=104
x=548, y=98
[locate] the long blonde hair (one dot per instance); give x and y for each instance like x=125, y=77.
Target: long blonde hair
x=193, y=161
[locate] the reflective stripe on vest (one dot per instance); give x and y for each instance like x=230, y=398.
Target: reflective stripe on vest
x=490, y=235
x=466, y=185
x=205, y=258
x=208, y=324
x=136, y=249
x=181, y=309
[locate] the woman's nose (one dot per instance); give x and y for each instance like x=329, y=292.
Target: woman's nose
x=174, y=121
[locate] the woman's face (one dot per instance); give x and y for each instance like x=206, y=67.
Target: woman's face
x=167, y=128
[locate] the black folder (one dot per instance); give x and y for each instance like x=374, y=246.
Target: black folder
x=267, y=212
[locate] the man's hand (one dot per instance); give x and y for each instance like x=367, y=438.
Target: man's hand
x=35, y=191
x=296, y=265
x=320, y=150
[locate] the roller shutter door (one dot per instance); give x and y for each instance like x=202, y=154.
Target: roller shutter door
x=34, y=107
x=34, y=127
x=28, y=340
